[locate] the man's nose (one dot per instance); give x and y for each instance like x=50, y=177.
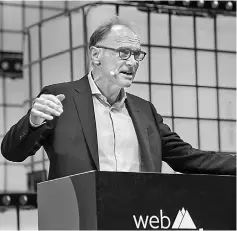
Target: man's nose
x=131, y=61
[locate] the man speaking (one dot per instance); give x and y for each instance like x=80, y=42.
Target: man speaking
x=93, y=124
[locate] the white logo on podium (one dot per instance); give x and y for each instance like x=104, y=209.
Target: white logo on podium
x=183, y=220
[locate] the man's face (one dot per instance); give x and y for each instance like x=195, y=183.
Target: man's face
x=120, y=37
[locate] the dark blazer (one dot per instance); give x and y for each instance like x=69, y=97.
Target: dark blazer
x=71, y=140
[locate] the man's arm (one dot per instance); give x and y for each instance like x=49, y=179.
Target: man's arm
x=23, y=139
x=183, y=158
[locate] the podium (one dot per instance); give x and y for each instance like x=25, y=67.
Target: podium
x=98, y=200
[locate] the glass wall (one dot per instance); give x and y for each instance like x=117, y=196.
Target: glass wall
x=189, y=73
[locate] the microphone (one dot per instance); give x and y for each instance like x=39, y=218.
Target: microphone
x=114, y=73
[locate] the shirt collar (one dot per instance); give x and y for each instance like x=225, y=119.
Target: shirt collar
x=95, y=91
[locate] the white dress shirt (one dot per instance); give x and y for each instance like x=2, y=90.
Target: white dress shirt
x=117, y=139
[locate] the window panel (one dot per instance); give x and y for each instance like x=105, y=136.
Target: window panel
x=2, y=177
x=142, y=72
x=208, y=135
x=27, y=105
x=30, y=164
x=227, y=104
x=31, y=16
x=159, y=29
x=26, y=89
x=55, y=36
x=36, y=163
x=96, y=16
x=138, y=20
x=50, y=13
x=34, y=46
x=36, y=3
x=183, y=67
x=187, y=130
x=2, y=121
x=13, y=115
x=140, y=90
x=160, y=65
x=168, y=121
x=77, y=29
x=74, y=4
x=78, y=63
x=161, y=98
x=38, y=166
x=16, y=90
x=55, y=4
x=206, y=68
x=25, y=50
x=8, y=220
x=227, y=69
x=1, y=38
x=205, y=33
x=185, y=101
x=226, y=33
x=27, y=163
x=228, y=136
x=16, y=178
x=15, y=3
x=39, y=155
x=2, y=158
x=9, y=22
x=207, y=103
x=182, y=25
x=47, y=165
x=45, y=155
x=29, y=219
x=1, y=87
x=36, y=88
x=56, y=70
x=12, y=42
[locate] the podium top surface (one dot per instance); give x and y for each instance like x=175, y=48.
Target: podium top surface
x=143, y=174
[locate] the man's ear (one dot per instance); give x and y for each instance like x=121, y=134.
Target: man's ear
x=95, y=55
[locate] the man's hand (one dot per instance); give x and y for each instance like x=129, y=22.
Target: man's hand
x=46, y=107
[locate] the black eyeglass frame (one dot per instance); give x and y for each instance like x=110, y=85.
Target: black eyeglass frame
x=121, y=49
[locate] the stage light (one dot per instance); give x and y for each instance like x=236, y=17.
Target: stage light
x=171, y=2
x=200, y=3
x=18, y=66
x=229, y=5
x=186, y=2
x=5, y=66
x=160, y=11
x=6, y=200
x=187, y=7
x=215, y=4
x=23, y=199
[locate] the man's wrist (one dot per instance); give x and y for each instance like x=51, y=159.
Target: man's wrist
x=33, y=124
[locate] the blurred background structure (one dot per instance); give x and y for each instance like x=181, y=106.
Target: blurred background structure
x=189, y=74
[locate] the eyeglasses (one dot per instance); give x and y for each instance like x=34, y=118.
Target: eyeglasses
x=125, y=53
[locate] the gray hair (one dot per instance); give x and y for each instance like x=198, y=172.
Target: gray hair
x=103, y=30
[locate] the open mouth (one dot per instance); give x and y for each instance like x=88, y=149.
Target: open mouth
x=127, y=73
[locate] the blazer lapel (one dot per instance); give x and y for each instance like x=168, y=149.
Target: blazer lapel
x=84, y=104
x=140, y=125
